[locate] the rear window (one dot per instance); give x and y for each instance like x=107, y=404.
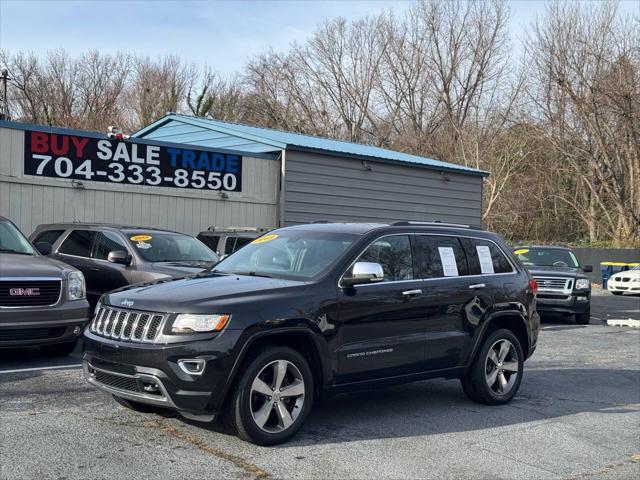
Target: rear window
x=485, y=257
x=78, y=243
x=48, y=236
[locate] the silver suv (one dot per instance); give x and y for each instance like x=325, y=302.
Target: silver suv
x=42, y=301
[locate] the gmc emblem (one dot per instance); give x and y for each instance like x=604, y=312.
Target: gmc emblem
x=20, y=292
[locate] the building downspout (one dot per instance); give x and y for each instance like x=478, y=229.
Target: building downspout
x=280, y=221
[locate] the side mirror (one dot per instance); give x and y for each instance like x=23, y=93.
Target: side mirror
x=362, y=273
x=119, y=256
x=587, y=268
x=44, y=248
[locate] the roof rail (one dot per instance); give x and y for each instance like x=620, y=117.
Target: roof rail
x=435, y=223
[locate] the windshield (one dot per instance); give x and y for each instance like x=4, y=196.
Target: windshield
x=547, y=257
x=12, y=241
x=170, y=247
x=293, y=254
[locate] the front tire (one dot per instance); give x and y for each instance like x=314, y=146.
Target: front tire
x=272, y=398
x=495, y=375
x=583, y=318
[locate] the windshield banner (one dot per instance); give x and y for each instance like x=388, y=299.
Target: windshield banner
x=127, y=162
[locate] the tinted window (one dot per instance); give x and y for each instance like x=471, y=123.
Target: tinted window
x=394, y=254
x=78, y=243
x=439, y=256
x=229, y=244
x=49, y=236
x=210, y=241
x=241, y=242
x=107, y=242
x=485, y=257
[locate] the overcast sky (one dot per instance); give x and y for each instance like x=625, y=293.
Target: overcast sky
x=223, y=34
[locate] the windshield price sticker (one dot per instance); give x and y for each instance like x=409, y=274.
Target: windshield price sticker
x=484, y=256
x=265, y=238
x=141, y=238
x=448, y=259
x=126, y=162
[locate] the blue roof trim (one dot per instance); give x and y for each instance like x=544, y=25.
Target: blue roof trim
x=142, y=141
x=279, y=139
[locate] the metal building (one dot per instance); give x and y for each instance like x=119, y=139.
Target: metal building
x=187, y=173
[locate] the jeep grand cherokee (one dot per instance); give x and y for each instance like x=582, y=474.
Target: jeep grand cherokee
x=315, y=309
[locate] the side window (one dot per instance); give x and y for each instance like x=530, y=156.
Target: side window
x=78, y=243
x=485, y=257
x=49, y=236
x=210, y=241
x=107, y=242
x=241, y=242
x=229, y=244
x=394, y=254
x=440, y=256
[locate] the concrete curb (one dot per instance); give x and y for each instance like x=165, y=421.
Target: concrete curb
x=624, y=323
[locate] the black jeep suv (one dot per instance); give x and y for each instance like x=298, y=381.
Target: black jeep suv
x=309, y=310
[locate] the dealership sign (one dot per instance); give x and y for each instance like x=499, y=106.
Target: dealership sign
x=126, y=162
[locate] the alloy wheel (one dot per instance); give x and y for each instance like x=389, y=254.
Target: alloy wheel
x=277, y=396
x=502, y=367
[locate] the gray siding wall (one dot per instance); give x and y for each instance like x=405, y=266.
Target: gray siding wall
x=29, y=200
x=324, y=187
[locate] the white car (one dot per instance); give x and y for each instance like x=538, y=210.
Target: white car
x=625, y=282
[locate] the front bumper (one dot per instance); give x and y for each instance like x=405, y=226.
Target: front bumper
x=575, y=303
x=624, y=287
x=126, y=368
x=39, y=326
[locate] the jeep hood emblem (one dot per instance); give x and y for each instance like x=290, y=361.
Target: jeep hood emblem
x=127, y=303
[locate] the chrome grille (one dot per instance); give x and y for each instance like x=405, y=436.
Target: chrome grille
x=127, y=325
x=554, y=284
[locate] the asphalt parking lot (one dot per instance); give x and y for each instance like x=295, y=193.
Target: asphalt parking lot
x=577, y=416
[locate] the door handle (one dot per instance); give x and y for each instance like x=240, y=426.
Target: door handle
x=410, y=293
x=476, y=286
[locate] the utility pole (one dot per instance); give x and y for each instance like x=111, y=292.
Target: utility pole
x=4, y=112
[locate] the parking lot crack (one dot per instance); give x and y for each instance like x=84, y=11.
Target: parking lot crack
x=239, y=462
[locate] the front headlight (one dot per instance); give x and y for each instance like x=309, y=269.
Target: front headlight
x=188, y=323
x=76, y=289
x=583, y=284
x=635, y=279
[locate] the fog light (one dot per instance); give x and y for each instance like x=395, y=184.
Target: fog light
x=151, y=387
x=582, y=299
x=192, y=366
x=77, y=330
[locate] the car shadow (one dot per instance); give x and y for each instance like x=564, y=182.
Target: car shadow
x=440, y=406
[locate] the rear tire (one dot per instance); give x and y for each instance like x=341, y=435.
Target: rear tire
x=496, y=372
x=135, y=406
x=272, y=397
x=59, y=349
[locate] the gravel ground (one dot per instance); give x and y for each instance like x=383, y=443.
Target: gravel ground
x=577, y=416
